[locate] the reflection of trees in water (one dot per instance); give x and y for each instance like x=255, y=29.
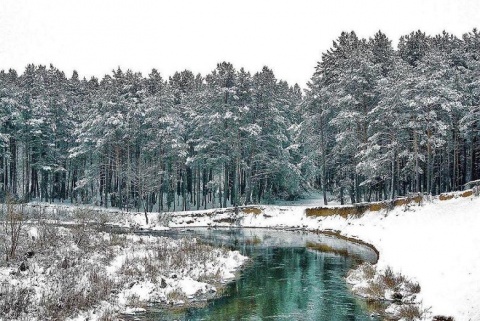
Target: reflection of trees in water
x=288, y=283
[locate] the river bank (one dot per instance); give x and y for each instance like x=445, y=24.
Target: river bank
x=433, y=242
x=79, y=272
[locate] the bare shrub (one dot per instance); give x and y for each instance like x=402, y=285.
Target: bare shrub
x=410, y=312
x=391, y=280
x=102, y=217
x=108, y=315
x=164, y=219
x=368, y=270
x=80, y=235
x=385, y=286
x=412, y=287
x=175, y=296
x=14, y=300
x=134, y=301
x=131, y=269
x=78, y=277
x=12, y=227
x=151, y=267
x=47, y=234
x=118, y=239
x=84, y=216
x=71, y=293
x=81, y=231
x=375, y=290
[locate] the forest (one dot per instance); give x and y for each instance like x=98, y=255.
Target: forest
x=375, y=122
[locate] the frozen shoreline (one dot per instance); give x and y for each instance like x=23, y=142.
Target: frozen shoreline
x=435, y=243
x=80, y=273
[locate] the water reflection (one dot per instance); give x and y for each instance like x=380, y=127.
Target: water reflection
x=288, y=282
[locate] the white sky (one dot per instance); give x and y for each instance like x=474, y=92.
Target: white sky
x=96, y=36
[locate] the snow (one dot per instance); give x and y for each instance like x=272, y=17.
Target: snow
x=191, y=287
x=230, y=264
x=116, y=264
x=32, y=232
x=140, y=269
x=435, y=244
x=141, y=290
x=132, y=311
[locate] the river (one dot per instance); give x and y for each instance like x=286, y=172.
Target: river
x=292, y=275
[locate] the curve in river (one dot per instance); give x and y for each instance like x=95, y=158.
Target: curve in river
x=292, y=276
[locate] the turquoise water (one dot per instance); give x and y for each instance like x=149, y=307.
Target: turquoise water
x=285, y=280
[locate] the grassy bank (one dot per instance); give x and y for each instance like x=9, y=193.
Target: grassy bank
x=80, y=273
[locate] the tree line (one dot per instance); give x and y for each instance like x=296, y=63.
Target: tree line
x=374, y=123
x=388, y=122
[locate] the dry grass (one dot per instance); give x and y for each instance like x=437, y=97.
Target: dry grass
x=251, y=210
x=162, y=259
x=108, y=315
x=14, y=301
x=331, y=211
x=448, y=196
x=391, y=280
x=75, y=288
x=445, y=197
x=375, y=207
x=418, y=199
x=400, y=202
x=368, y=271
x=410, y=312
x=413, y=287
x=442, y=318
x=381, y=284
x=176, y=296
x=407, y=200
x=326, y=248
x=12, y=218
x=134, y=301
x=467, y=193
x=254, y=241
x=117, y=239
x=375, y=290
x=75, y=282
x=359, y=209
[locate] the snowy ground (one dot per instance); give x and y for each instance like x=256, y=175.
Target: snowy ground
x=78, y=273
x=436, y=244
